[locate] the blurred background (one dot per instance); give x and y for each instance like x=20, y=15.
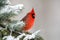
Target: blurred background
x=47, y=16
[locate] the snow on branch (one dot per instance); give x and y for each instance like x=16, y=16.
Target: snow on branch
x=16, y=9
x=8, y=10
x=27, y=36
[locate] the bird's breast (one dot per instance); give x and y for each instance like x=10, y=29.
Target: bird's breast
x=28, y=23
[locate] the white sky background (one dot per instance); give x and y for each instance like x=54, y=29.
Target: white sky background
x=47, y=16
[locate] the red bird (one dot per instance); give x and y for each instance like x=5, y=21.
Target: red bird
x=29, y=20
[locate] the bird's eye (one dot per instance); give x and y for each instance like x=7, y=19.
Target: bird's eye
x=33, y=15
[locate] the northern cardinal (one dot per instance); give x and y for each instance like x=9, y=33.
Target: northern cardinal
x=29, y=20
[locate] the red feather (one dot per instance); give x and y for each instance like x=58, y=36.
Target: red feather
x=29, y=20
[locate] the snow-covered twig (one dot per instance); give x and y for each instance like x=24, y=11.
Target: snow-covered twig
x=8, y=2
x=16, y=25
x=20, y=36
x=8, y=37
x=14, y=9
x=32, y=36
x=10, y=10
x=27, y=36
